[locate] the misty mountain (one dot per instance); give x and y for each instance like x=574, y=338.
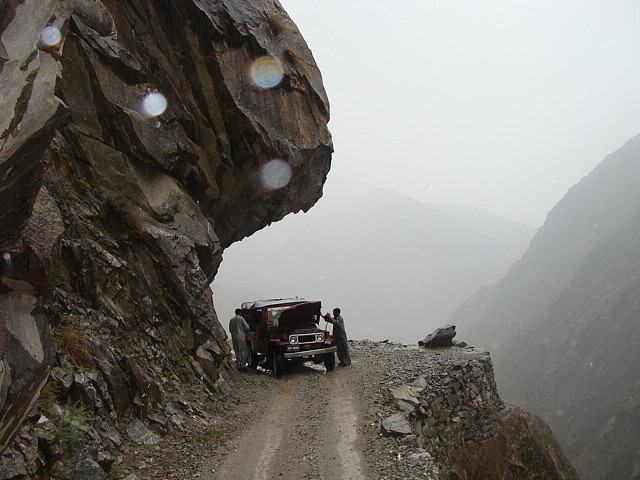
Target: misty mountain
x=397, y=267
x=562, y=325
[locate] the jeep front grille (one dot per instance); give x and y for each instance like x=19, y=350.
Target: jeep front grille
x=306, y=338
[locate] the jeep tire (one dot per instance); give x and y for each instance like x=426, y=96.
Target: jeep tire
x=329, y=361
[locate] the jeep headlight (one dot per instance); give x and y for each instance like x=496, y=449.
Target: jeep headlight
x=293, y=339
x=319, y=337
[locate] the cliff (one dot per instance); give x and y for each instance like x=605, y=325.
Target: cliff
x=114, y=218
x=446, y=401
x=563, y=322
x=584, y=379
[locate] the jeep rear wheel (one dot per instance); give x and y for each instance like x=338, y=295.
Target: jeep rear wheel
x=278, y=364
x=329, y=361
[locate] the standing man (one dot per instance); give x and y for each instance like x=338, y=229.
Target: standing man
x=238, y=326
x=339, y=336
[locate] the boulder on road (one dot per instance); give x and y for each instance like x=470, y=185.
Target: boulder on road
x=440, y=337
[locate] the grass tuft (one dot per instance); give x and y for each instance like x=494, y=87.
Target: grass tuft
x=76, y=344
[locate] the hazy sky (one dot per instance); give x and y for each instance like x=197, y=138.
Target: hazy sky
x=502, y=105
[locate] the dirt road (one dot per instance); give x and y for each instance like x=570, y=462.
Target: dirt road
x=310, y=425
x=309, y=431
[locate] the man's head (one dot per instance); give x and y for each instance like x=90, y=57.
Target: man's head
x=238, y=311
x=336, y=312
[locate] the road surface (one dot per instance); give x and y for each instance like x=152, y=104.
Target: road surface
x=309, y=430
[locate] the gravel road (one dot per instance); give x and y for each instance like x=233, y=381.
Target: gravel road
x=310, y=424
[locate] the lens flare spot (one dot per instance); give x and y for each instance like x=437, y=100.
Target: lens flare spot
x=50, y=36
x=266, y=72
x=275, y=174
x=153, y=104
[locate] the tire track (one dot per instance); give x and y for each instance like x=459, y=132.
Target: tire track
x=309, y=431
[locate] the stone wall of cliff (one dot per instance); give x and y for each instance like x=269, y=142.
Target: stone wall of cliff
x=113, y=218
x=453, y=408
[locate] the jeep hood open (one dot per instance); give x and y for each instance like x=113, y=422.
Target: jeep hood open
x=307, y=313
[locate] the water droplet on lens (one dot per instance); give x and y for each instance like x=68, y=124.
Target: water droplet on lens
x=275, y=174
x=560, y=412
x=50, y=36
x=153, y=104
x=266, y=72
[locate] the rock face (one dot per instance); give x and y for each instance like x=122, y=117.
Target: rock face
x=114, y=221
x=458, y=418
x=563, y=323
x=522, y=448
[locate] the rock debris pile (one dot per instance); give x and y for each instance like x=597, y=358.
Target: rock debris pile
x=441, y=406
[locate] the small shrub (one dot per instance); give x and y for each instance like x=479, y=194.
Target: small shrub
x=67, y=428
x=49, y=394
x=76, y=344
x=217, y=434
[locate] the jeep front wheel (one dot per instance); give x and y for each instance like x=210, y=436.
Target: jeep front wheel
x=278, y=364
x=329, y=361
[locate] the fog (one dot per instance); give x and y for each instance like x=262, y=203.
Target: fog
x=499, y=106
x=396, y=267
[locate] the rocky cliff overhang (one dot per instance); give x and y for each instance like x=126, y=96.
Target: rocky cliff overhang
x=113, y=218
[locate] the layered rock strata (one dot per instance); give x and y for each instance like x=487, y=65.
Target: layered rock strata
x=114, y=219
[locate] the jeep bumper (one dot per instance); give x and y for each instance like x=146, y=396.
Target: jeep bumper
x=310, y=353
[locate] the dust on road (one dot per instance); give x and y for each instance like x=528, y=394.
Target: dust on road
x=308, y=431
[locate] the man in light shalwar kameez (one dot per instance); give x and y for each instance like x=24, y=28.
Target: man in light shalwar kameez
x=238, y=326
x=339, y=337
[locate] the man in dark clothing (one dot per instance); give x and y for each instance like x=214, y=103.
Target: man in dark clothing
x=339, y=336
x=238, y=326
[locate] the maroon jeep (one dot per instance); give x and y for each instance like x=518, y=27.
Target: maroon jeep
x=287, y=330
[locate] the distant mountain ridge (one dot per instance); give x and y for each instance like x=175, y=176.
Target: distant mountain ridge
x=600, y=204
x=562, y=325
x=396, y=266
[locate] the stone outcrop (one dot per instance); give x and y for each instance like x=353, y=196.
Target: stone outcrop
x=114, y=219
x=522, y=448
x=440, y=337
x=458, y=418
